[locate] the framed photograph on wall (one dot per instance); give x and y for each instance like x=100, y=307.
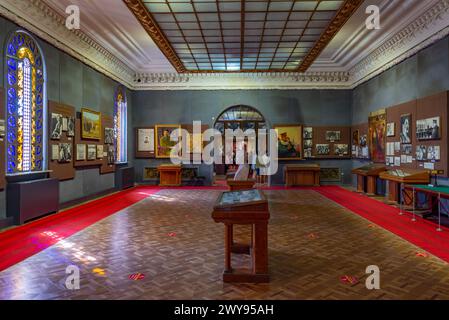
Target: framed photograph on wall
x=391, y=129
x=322, y=149
x=406, y=128
x=308, y=133
x=164, y=144
x=355, y=137
x=80, y=152
x=99, y=151
x=333, y=136
x=428, y=129
x=56, y=126
x=70, y=127
x=433, y=153
x=91, y=152
x=289, y=142
x=90, y=124
x=65, y=152
x=108, y=136
x=145, y=139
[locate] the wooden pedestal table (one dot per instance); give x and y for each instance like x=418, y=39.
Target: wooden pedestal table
x=302, y=175
x=170, y=175
x=397, y=177
x=235, y=185
x=245, y=207
x=367, y=178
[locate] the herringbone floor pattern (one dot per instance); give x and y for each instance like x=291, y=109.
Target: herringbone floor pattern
x=172, y=240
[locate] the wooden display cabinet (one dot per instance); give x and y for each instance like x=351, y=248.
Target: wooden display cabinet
x=245, y=207
x=396, y=177
x=235, y=185
x=170, y=175
x=367, y=178
x=302, y=175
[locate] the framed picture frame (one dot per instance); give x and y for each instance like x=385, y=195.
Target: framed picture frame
x=391, y=129
x=90, y=124
x=406, y=128
x=163, y=143
x=355, y=137
x=428, y=129
x=290, y=145
x=91, y=152
x=145, y=142
x=80, y=152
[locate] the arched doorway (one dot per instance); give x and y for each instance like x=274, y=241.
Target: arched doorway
x=238, y=117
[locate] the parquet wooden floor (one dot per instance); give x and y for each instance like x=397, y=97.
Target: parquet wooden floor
x=172, y=240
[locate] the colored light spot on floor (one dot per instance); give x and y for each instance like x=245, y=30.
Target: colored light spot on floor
x=349, y=279
x=99, y=271
x=421, y=254
x=136, y=276
x=172, y=234
x=312, y=236
x=372, y=226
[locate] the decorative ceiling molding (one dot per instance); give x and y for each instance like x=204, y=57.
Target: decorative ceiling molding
x=146, y=19
x=342, y=16
x=234, y=81
x=402, y=42
x=429, y=27
x=39, y=18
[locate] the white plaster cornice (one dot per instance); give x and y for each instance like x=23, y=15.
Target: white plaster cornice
x=431, y=26
x=397, y=43
x=222, y=81
x=45, y=22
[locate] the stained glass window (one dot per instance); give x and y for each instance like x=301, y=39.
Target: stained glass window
x=26, y=106
x=120, y=124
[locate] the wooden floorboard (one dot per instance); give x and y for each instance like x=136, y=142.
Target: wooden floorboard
x=172, y=240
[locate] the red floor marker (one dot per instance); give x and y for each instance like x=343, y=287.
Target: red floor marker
x=172, y=234
x=349, y=279
x=422, y=254
x=99, y=271
x=137, y=276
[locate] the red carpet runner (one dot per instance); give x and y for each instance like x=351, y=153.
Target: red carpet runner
x=22, y=242
x=421, y=233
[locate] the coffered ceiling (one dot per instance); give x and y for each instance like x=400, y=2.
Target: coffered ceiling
x=207, y=44
x=242, y=35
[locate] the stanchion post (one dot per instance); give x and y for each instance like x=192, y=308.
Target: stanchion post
x=439, y=212
x=401, y=202
x=413, y=219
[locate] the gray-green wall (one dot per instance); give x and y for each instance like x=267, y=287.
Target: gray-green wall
x=421, y=75
x=309, y=107
x=71, y=82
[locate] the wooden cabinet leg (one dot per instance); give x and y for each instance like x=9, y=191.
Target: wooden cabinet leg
x=228, y=246
x=260, y=248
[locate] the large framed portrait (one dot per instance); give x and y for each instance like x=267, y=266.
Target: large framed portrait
x=406, y=128
x=289, y=141
x=164, y=144
x=377, y=123
x=90, y=124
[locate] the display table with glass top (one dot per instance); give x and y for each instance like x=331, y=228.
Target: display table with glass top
x=434, y=196
x=367, y=178
x=396, y=179
x=302, y=175
x=245, y=207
